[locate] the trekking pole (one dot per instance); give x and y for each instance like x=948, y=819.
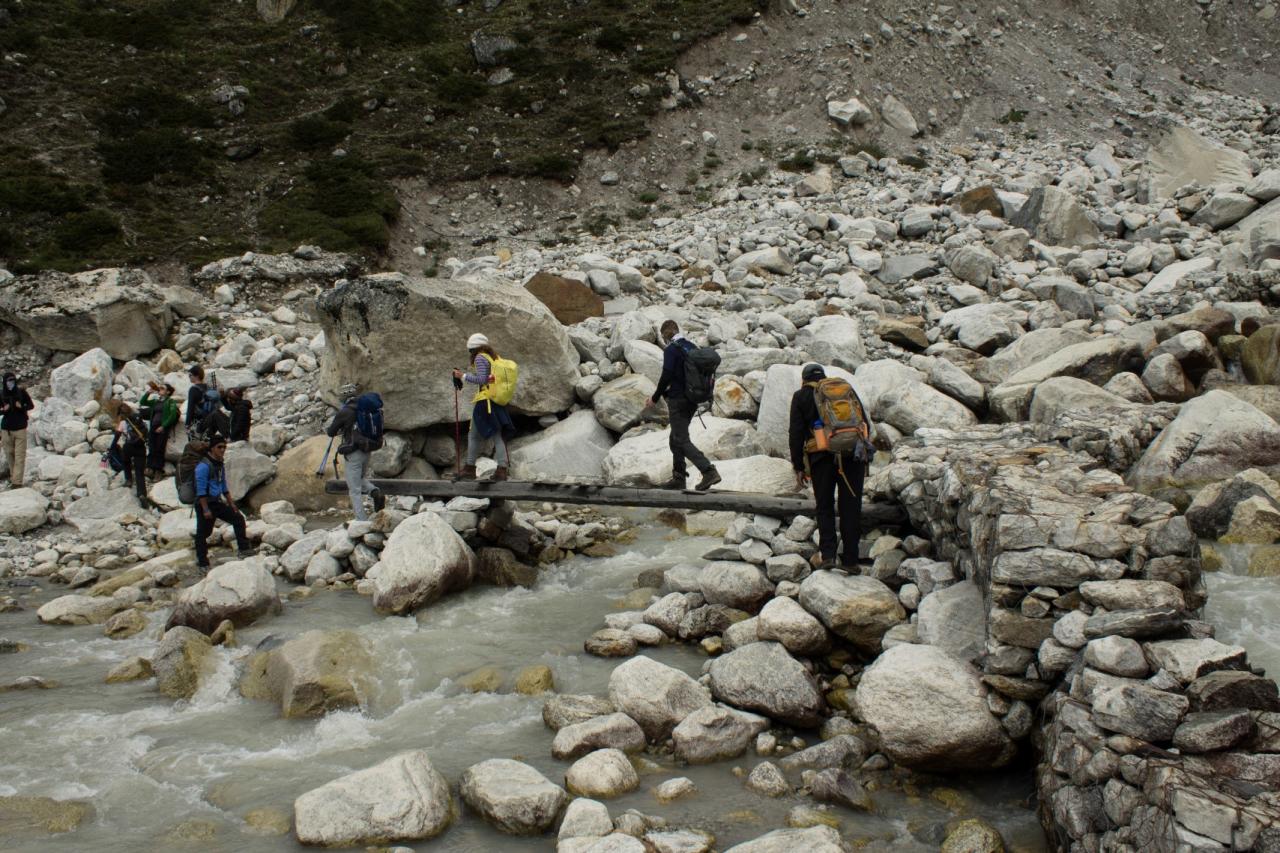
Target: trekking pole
x=324, y=460
x=457, y=435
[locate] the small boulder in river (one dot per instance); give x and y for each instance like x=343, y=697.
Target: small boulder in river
x=930, y=709
x=402, y=798
x=762, y=677
x=41, y=814
x=656, y=696
x=716, y=733
x=78, y=610
x=813, y=839
x=602, y=774
x=312, y=674
x=181, y=661
x=512, y=796
x=858, y=609
x=613, y=731
x=424, y=560
x=242, y=591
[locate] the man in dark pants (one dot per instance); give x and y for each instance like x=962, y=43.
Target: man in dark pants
x=830, y=476
x=680, y=410
x=214, y=502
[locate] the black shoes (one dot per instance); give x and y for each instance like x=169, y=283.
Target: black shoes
x=379, y=500
x=709, y=479
x=246, y=553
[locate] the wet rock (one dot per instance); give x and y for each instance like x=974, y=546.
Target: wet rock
x=312, y=674
x=763, y=677
x=614, y=731
x=181, y=662
x=656, y=696
x=535, y=680
x=856, y=608
x=668, y=792
x=814, y=839
x=125, y=624
x=585, y=818
x=402, y=798
x=42, y=814
x=133, y=669
x=242, y=591
x=424, y=560
x=716, y=733
x=767, y=780
x=78, y=610
x=840, y=788
x=973, y=835
x=611, y=643
x=930, y=710
x=567, y=709
x=842, y=751
x=366, y=319
x=602, y=774
x=511, y=796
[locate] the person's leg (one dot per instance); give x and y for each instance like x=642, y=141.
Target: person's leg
x=155, y=450
x=204, y=526
x=679, y=415
x=850, y=511
x=6, y=446
x=137, y=461
x=690, y=450
x=473, y=445
x=822, y=469
x=355, y=482
x=18, y=459
x=225, y=513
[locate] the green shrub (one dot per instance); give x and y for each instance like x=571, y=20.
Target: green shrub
x=555, y=166
x=613, y=38
x=460, y=90
x=648, y=196
x=1014, y=116
x=141, y=157
x=800, y=161
x=379, y=22
x=150, y=107
x=39, y=194
x=85, y=232
x=341, y=204
x=315, y=132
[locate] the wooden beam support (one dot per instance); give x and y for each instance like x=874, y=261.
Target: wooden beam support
x=873, y=514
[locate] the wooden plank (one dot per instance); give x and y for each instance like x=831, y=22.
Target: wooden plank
x=873, y=514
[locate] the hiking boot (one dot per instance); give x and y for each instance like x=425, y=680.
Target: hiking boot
x=829, y=564
x=246, y=553
x=379, y=500
x=500, y=475
x=203, y=568
x=677, y=483
x=709, y=479
x=468, y=472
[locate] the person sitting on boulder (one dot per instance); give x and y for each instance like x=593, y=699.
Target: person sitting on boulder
x=164, y=417
x=214, y=503
x=358, y=459
x=680, y=411
x=15, y=402
x=831, y=473
x=489, y=420
x=241, y=415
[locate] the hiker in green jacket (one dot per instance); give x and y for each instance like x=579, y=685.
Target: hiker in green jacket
x=164, y=417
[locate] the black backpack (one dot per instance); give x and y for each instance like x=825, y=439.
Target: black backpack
x=185, y=476
x=367, y=435
x=700, y=366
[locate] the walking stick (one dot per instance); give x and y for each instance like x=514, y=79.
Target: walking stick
x=324, y=460
x=457, y=434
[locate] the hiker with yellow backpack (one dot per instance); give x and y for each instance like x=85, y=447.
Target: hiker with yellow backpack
x=495, y=380
x=831, y=446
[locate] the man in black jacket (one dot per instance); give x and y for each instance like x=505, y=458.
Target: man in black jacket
x=359, y=462
x=680, y=411
x=15, y=402
x=830, y=476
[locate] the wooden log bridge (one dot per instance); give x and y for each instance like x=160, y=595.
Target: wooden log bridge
x=873, y=514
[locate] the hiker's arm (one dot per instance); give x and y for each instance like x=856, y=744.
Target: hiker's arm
x=170, y=414
x=202, y=488
x=481, y=376
x=192, y=404
x=797, y=434
x=669, y=365
x=340, y=421
x=25, y=403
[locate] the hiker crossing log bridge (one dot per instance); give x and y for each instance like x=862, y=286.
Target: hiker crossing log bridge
x=873, y=514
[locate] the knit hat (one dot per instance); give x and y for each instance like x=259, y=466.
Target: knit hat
x=812, y=373
x=476, y=341
x=346, y=392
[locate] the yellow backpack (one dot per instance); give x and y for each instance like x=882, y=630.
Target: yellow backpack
x=502, y=388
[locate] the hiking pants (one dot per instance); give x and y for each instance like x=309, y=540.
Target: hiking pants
x=14, y=444
x=135, y=466
x=827, y=483
x=220, y=511
x=681, y=414
x=475, y=440
x=358, y=484
x=157, y=441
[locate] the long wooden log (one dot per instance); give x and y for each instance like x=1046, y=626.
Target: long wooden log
x=873, y=514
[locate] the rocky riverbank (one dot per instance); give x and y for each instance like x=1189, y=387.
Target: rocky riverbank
x=1071, y=351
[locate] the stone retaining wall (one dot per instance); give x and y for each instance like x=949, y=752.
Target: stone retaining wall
x=1150, y=734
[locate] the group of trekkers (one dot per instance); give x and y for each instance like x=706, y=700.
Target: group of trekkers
x=830, y=434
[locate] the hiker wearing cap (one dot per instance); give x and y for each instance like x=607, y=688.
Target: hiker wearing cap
x=356, y=449
x=15, y=402
x=214, y=503
x=830, y=436
x=202, y=401
x=162, y=417
x=681, y=410
x=489, y=417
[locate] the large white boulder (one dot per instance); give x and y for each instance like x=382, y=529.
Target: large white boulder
x=367, y=322
x=764, y=678
x=855, y=607
x=813, y=839
x=402, y=798
x=1214, y=437
x=1095, y=361
x=1068, y=394
x=954, y=619
x=247, y=469
x=104, y=509
x=312, y=674
x=655, y=695
x=781, y=382
x=87, y=377
x=79, y=610
x=572, y=450
x=1183, y=157
x=833, y=339
x=1053, y=216
x=930, y=709
x=645, y=460
x=242, y=591
x=513, y=797
x=760, y=475
x=424, y=559
x=120, y=310
x=620, y=403
x=22, y=510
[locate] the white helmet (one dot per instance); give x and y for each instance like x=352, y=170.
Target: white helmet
x=476, y=341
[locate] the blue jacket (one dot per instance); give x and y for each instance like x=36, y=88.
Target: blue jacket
x=671, y=382
x=211, y=480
